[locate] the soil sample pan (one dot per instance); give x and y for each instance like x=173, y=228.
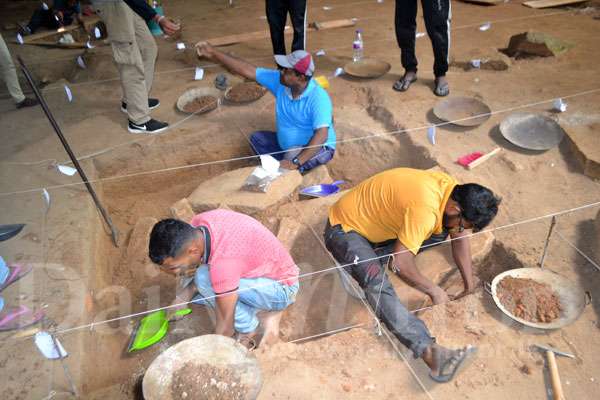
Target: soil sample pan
x=245, y=92
x=199, y=100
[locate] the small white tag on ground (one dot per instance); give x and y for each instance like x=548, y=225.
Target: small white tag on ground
x=262, y=17
x=380, y=1
x=199, y=74
x=338, y=71
x=419, y=34
x=431, y=134
x=327, y=8
x=559, y=105
x=97, y=33
x=80, y=62
x=476, y=63
x=67, y=170
x=20, y=38
x=355, y=260
x=46, y=197
x=180, y=46
x=44, y=6
x=269, y=164
x=69, y=94
x=47, y=346
x=485, y=26
x=320, y=53
x=89, y=45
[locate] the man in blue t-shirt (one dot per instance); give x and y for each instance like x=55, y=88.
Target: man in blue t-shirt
x=305, y=136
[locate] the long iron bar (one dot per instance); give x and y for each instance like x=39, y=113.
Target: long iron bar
x=552, y=224
x=38, y=95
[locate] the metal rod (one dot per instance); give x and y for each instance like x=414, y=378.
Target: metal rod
x=67, y=147
x=64, y=365
x=552, y=224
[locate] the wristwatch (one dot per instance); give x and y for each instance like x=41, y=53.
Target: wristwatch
x=295, y=161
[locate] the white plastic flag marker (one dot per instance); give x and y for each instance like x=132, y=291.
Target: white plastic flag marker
x=44, y=6
x=327, y=8
x=559, y=105
x=49, y=347
x=89, y=45
x=338, y=71
x=199, y=74
x=431, y=134
x=69, y=94
x=420, y=34
x=80, y=62
x=320, y=53
x=20, y=38
x=97, y=33
x=46, y=197
x=67, y=170
x=485, y=26
x=380, y=1
x=180, y=46
x=476, y=63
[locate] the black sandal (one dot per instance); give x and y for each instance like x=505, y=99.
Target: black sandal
x=441, y=90
x=453, y=363
x=402, y=84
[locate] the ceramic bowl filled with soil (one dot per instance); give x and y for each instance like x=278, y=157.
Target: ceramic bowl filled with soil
x=462, y=111
x=245, y=92
x=538, y=297
x=199, y=100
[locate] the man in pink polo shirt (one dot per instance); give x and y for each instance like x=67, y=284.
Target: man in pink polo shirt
x=238, y=267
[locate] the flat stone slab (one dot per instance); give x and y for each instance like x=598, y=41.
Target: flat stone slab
x=535, y=44
x=226, y=190
x=584, y=142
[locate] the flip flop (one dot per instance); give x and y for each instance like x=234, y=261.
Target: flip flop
x=454, y=362
x=402, y=84
x=441, y=90
x=17, y=271
x=18, y=318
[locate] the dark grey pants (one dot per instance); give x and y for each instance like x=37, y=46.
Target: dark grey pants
x=352, y=248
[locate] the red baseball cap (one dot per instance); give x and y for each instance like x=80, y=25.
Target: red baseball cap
x=299, y=60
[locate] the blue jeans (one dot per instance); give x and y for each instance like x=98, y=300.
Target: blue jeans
x=265, y=142
x=255, y=295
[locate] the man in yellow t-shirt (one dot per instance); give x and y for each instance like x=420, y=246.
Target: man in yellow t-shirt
x=400, y=212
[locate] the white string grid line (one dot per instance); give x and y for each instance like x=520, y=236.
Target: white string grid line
x=349, y=140
x=270, y=57
x=335, y=267
x=581, y=253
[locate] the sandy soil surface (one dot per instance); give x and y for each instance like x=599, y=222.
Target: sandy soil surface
x=81, y=278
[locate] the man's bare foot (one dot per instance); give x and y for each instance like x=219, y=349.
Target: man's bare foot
x=444, y=363
x=270, y=323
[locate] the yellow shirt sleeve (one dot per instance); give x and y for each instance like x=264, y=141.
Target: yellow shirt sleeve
x=417, y=226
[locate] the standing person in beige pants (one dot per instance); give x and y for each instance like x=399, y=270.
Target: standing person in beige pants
x=134, y=53
x=9, y=74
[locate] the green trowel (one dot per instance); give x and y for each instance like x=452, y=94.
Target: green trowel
x=152, y=328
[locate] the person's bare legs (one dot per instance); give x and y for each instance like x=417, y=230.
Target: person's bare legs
x=269, y=320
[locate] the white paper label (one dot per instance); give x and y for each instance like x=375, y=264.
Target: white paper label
x=180, y=46
x=44, y=6
x=327, y=8
x=199, y=74
x=338, y=71
x=67, y=170
x=97, y=32
x=485, y=26
x=51, y=349
x=46, y=197
x=20, y=38
x=431, y=134
x=80, y=62
x=69, y=94
x=420, y=35
x=476, y=63
x=320, y=53
x=89, y=45
x=559, y=105
x=269, y=164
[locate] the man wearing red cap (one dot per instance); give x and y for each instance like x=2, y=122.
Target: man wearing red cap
x=305, y=137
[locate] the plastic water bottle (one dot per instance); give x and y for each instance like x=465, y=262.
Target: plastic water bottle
x=357, y=46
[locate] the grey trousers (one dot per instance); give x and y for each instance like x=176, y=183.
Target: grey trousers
x=9, y=73
x=351, y=248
